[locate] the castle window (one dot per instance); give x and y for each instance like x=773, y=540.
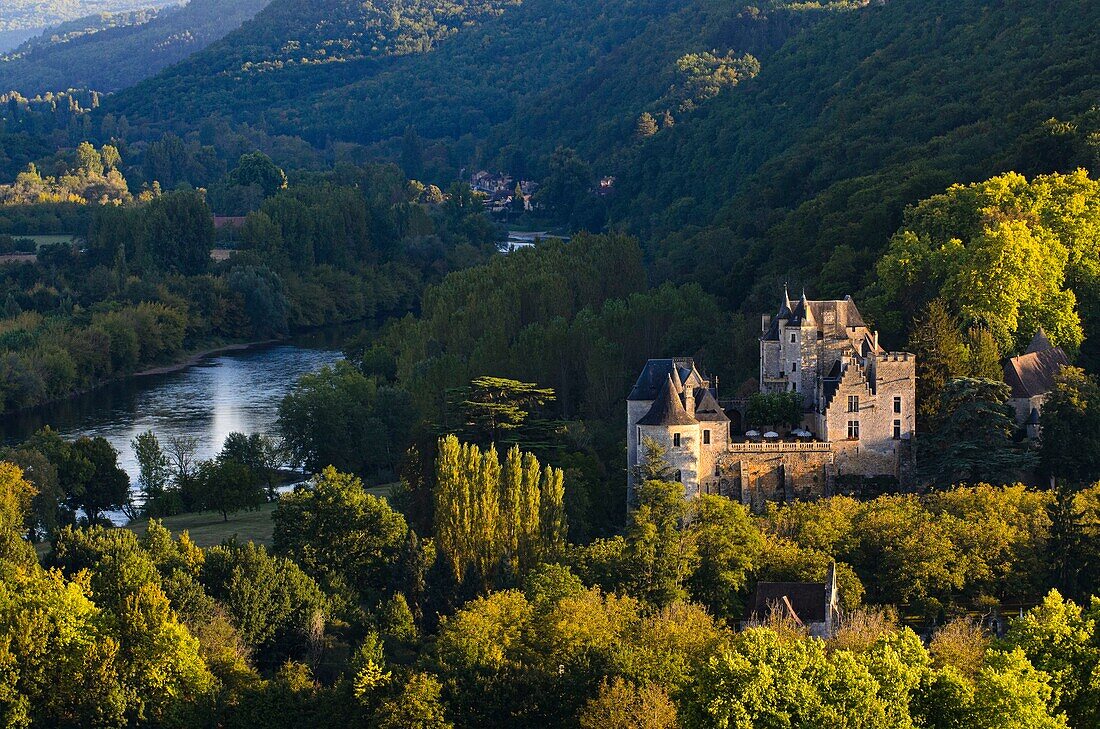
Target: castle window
x=679, y=475
x=706, y=437
x=676, y=440
x=794, y=337
x=794, y=367
x=897, y=404
x=853, y=403
x=897, y=430
x=853, y=430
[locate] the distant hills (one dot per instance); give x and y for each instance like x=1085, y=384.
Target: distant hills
x=23, y=19
x=783, y=141
x=9, y=39
x=296, y=49
x=112, y=51
x=364, y=72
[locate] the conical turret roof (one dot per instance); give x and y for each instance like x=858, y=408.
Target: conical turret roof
x=1039, y=343
x=677, y=383
x=667, y=409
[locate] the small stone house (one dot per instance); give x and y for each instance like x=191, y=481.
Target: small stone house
x=1031, y=377
x=814, y=606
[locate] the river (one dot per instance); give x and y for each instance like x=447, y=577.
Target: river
x=232, y=392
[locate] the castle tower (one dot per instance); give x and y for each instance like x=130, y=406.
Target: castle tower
x=675, y=405
x=677, y=430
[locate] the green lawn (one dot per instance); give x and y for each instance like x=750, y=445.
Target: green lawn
x=208, y=529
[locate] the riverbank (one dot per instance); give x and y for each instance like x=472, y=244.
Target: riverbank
x=198, y=357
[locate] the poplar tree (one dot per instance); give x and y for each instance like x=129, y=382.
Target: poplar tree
x=487, y=514
x=552, y=512
x=511, y=490
x=528, y=517
x=448, y=498
x=491, y=516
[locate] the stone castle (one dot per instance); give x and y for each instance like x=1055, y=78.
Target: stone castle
x=858, y=411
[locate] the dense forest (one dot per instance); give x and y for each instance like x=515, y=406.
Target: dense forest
x=127, y=46
x=781, y=133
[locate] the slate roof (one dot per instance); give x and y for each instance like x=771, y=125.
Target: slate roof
x=772, y=335
x=667, y=409
x=1032, y=373
x=656, y=371
x=805, y=599
x=803, y=312
x=707, y=408
x=831, y=382
x=1039, y=343
x=814, y=313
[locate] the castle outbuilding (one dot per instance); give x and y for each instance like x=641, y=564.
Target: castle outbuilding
x=1031, y=377
x=813, y=606
x=858, y=410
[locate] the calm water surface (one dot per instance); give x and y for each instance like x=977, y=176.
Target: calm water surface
x=234, y=392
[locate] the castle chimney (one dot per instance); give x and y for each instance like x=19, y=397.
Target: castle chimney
x=689, y=400
x=765, y=322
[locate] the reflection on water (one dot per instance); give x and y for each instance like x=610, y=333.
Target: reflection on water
x=238, y=391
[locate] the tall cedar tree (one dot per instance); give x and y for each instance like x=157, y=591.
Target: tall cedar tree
x=941, y=357
x=1071, y=429
x=973, y=443
x=499, y=410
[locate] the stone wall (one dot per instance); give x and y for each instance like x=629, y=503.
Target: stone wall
x=635, y=411
x=1024, y=405
x=685, y=458
x=755, y=473
x=876, y=452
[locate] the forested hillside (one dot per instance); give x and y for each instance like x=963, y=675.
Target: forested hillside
x=803, y=174
x=294, y=50
x=392, y=71
x=127, y=47
x=22, y=14
x=855, y=111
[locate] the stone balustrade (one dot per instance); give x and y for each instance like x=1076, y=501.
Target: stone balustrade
x=812, y=446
